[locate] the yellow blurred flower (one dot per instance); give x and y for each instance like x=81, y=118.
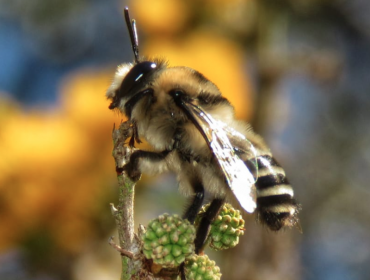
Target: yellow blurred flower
x=160, y=16
x=33, y=141
x=83, y=99
x=55, y=164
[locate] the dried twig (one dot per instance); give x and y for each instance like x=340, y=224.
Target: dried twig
x=122, y=251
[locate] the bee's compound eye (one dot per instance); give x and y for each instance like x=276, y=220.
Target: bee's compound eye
x=139, y=74
x=139, y=70
x=176, y=93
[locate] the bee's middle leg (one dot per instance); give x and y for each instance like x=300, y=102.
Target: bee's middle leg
x=195, y=205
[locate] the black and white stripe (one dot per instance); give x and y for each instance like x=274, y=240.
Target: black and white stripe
x=276, y=206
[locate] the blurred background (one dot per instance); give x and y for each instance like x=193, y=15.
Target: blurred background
x=298, y=70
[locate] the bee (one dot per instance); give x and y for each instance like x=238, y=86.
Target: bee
x=193, y=132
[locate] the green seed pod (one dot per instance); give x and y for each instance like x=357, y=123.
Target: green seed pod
x=167, y=249
x=169, y=259
x=155, y=225
x=225, y=229
x=148, y=254
x=187, y=249
x=160, y=232
x=176, y=250
x=180, y=259
x=201, y=268
x=168, y=241
x=174, y=236
x=164, y=240
x=150, y=235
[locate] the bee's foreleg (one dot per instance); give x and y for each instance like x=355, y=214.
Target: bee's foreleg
x=145, y=162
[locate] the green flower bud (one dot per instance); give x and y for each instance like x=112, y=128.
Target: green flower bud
x=201, y=268
x=226, y=228
x=168, y=241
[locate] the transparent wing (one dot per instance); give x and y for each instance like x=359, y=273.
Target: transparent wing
x=237, y=175
x=243, y=148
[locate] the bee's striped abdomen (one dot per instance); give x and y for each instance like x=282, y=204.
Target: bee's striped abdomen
x=276, y=206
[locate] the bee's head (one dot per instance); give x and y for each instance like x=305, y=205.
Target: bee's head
x=131, y=82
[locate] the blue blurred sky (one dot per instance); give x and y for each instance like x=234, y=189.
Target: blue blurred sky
x=35, y=55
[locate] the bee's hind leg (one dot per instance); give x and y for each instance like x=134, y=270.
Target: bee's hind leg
x=205, y=223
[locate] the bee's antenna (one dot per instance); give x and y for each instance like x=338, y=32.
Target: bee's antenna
x=131, y=26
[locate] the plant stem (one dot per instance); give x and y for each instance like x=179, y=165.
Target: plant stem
x=133, y=266
x=124, y=212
